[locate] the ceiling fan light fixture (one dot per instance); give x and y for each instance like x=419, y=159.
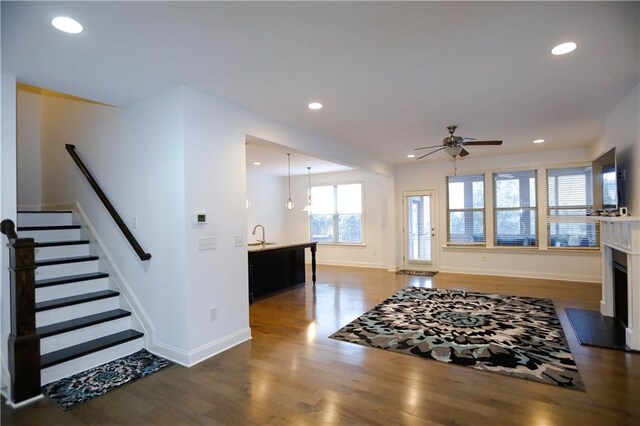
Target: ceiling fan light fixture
x=453, y=151
x=564, y=48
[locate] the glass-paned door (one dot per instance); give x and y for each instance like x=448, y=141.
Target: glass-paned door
x=419, y=230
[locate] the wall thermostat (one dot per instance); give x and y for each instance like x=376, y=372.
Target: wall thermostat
x=199, y=218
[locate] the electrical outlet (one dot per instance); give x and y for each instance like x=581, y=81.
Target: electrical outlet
x=238, y=240
x=207, y=243
x=134, y=222
x=213, y=313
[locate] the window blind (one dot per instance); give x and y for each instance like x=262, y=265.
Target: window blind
x=570, y=199
x=515, y=218
x=465, y=209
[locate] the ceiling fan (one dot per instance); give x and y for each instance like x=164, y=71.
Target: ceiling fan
x=454, y=145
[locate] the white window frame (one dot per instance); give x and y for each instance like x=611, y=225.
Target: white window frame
x=535, y=209
x=483, y=210
x=335, y=214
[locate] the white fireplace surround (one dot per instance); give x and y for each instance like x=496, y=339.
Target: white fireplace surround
x=622, y=234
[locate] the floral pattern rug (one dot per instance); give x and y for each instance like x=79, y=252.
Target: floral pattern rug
x=512, y=335
x=73, y=391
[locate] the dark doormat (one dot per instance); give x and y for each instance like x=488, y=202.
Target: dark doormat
x=594, y=329
x=73, y=391
x=416, y=272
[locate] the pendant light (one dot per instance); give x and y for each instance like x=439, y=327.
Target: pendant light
x=307, y=208
x=289, y=201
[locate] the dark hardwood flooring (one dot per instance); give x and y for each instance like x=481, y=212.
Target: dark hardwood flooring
x=291, y=373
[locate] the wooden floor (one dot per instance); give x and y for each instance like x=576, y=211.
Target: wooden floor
x=291, y=373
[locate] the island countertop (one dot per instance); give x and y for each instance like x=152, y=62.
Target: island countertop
x=276, y=246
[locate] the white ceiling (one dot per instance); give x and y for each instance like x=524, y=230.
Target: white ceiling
x=273, y=161
x=391, y=75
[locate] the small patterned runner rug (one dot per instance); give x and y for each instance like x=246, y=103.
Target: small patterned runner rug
x=414, y=272
x=73, y=391
x=516, y=336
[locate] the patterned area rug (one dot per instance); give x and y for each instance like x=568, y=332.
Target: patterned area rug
x=72, y=391
x=414, y=272
x=516, y=336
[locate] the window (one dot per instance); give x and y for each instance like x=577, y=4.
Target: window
x=465, y=209
x=515, y=209
x=336, y=213
x=570, y=199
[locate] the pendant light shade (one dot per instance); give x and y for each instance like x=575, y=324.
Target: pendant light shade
x=307, y=208
x=289, y=201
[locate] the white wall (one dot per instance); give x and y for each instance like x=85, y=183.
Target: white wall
x=375, y=252
x=622, y=131
x=538, y=263
x=136, y=155
x=268, y=196
x=7, y=203
x=29, y=149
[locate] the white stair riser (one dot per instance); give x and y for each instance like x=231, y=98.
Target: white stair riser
x=59, y=252
x=65, y=269
x=71, y=289
x=45, y=219
x=75, y=337
x=77, y=365
x=51, y=235
x=67, y=313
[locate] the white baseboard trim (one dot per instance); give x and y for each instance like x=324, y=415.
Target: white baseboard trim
x=23, y=403
x=191, y=358
x=210, y=349
x=519, y=274
x=349, y=263
x=392, y=268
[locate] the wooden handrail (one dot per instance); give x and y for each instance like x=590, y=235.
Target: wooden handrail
x=114, y=214
x=23, y=343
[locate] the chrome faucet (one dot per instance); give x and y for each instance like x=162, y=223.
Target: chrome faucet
x=263, y=240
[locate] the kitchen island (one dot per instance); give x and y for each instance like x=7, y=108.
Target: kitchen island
x=273, y=267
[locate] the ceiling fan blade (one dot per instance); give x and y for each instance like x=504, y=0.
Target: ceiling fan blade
x=427, y=147
x=432, y=152
x=463, y=153
x=482, y=143
x=469, y=139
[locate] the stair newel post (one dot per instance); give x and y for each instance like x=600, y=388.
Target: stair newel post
x=24, y=342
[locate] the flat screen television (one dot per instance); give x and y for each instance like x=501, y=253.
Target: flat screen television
x=607, y=188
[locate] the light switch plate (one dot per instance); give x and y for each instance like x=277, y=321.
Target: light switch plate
x=238, y=240
x=207, y=243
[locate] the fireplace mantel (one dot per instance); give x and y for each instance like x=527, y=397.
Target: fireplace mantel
x=622, y=234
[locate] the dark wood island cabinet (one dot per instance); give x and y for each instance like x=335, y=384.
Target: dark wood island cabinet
x=278, y=266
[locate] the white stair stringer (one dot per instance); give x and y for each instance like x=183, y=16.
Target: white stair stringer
x=83, y=318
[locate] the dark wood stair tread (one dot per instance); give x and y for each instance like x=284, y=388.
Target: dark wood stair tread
x=47, y=227
x=61, y=261
x=62, y=243
x=82, y=322
x=86, y=348
x=75, y=300
x=70, y=279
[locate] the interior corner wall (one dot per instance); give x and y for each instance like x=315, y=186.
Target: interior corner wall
x=8, y=204
x=29, y=150
x=136, y=156
x=267, y=197
x=374, y=253
x=569, y=265
x=622, y=132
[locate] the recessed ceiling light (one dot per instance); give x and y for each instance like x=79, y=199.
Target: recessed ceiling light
x=539, y=141
x=315, y=105
x=66, y=24
x=256, y=163
x=411, y=156
x=564, y=48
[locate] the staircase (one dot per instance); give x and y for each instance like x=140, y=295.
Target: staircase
x=82, y=322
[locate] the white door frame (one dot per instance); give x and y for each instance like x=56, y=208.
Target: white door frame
x=420, y=265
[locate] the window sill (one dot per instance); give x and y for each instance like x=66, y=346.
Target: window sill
x=342, y=244
x=538, y=250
